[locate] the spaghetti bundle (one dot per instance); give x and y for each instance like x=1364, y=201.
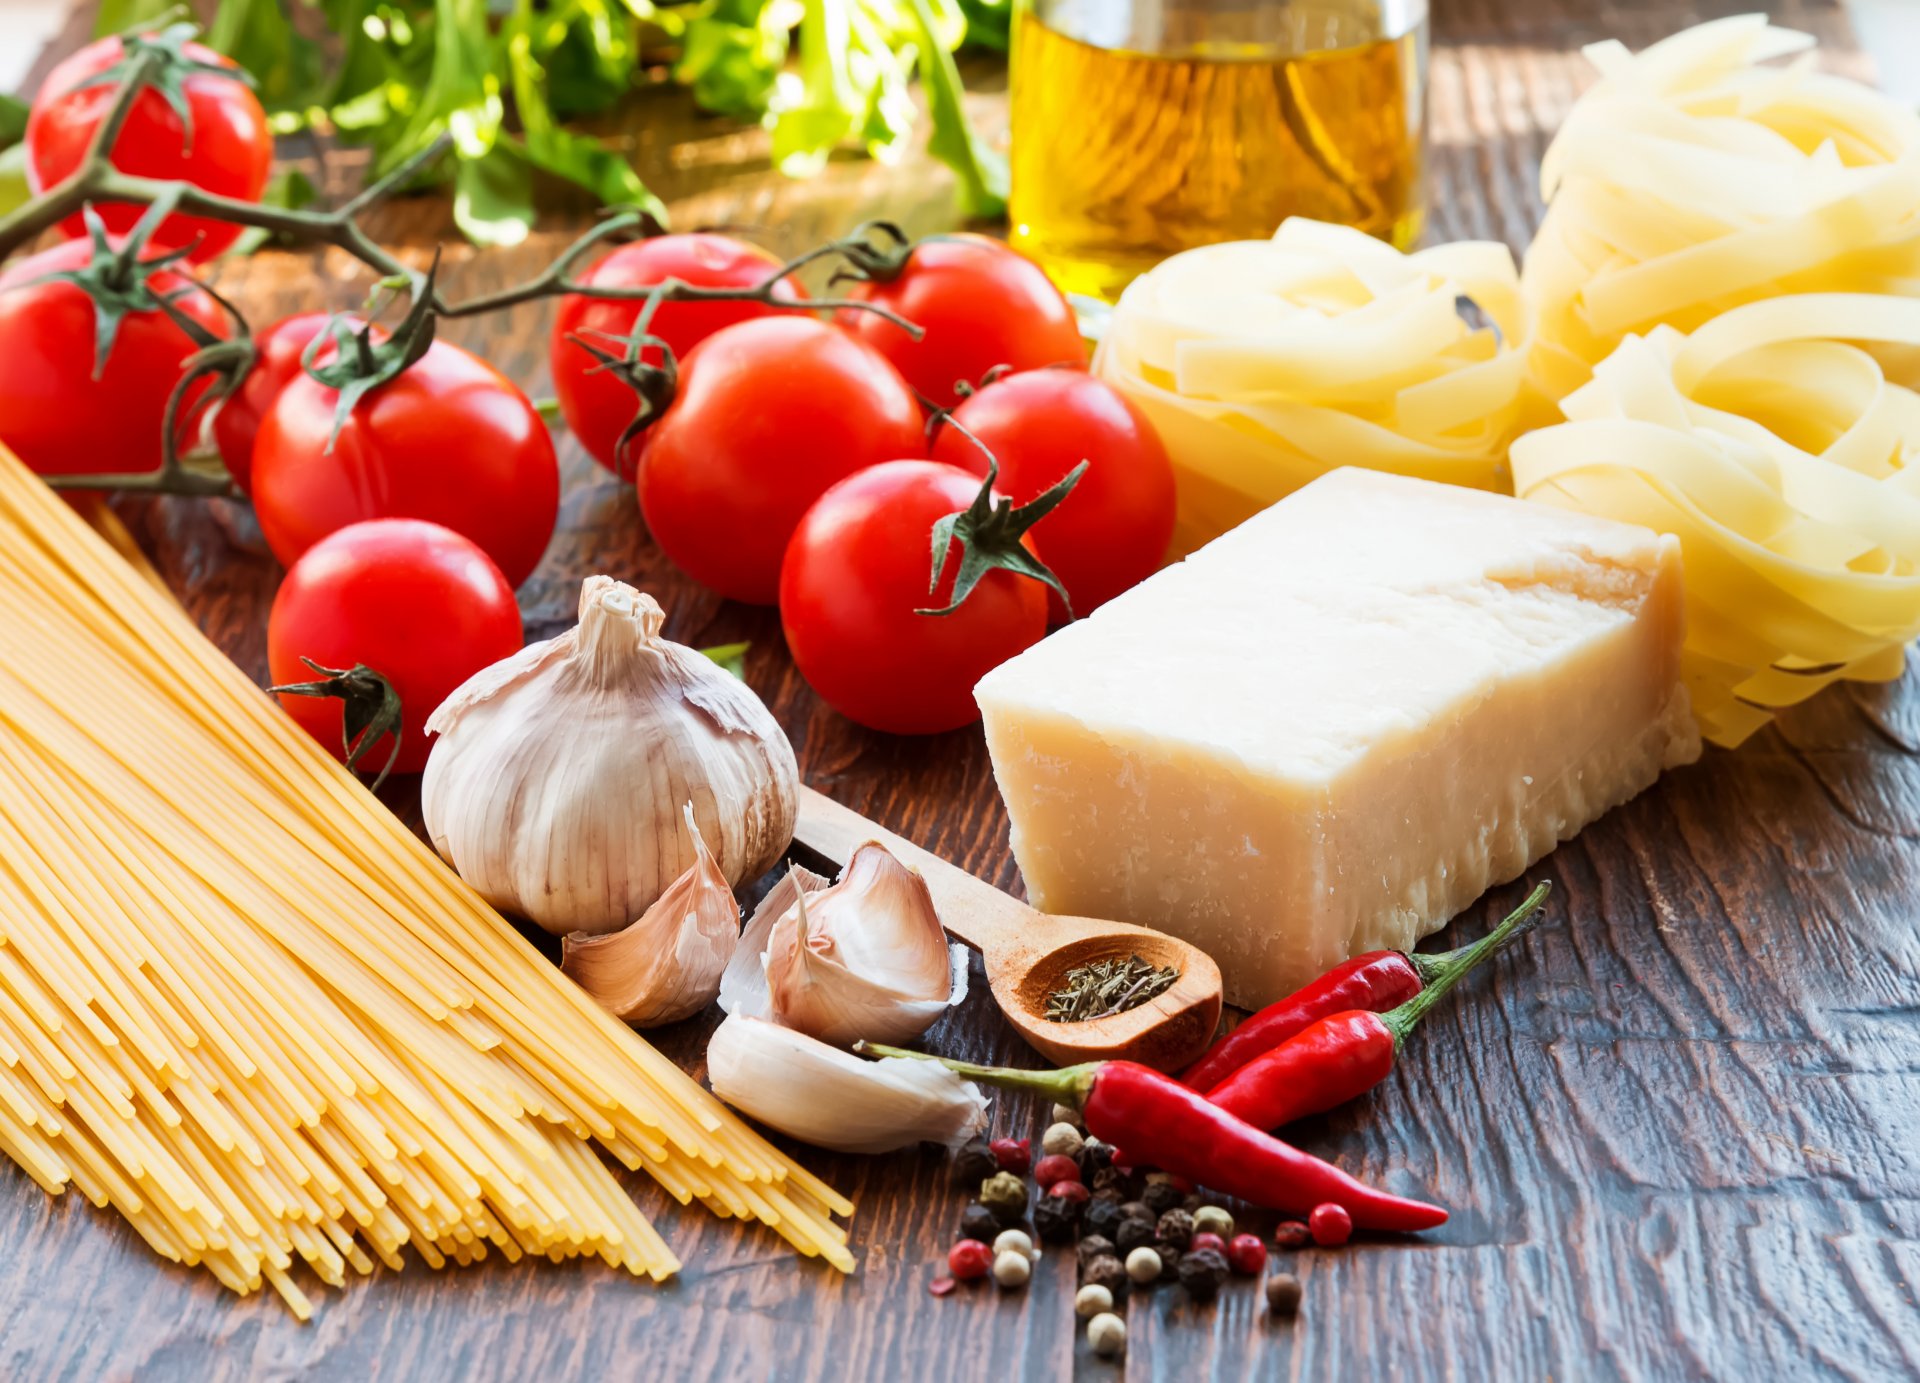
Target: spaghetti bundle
x=1265, y=363
x=1691, y=179
x=1771, y=442
x=247, y=1008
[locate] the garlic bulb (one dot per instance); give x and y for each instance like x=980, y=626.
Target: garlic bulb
x=667, y=965
x=832, y=1099
x=556, y=783
x=863, y=959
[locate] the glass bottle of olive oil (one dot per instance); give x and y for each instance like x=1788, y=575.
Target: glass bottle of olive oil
x=1145, y=127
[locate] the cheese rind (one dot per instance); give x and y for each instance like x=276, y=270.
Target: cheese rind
x=1334, y=727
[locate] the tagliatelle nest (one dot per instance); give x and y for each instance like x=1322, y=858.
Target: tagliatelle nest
x=1691, y=179
x=1771, y=442
x=1263, y=364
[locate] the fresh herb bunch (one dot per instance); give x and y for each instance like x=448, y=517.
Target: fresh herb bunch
x=502, y=76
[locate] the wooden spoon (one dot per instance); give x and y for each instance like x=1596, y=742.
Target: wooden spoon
x=1028, y=953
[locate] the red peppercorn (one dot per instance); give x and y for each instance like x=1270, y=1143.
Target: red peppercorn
x=941, y=1286
x=1070, y=1191
x=1053, y=1169
x=1207, y=1239
x=1330, y=1225
x=1013, y=1154
x=1246, y=1255
x=1292, y=1234
x=969, y=1260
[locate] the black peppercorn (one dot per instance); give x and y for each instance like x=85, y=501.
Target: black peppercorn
x=1109, y=1272
x=1136, y=1210
x=1202, y=1272
x=1192, y=1204
x=1006, y=1196
x=1095, y=1157
x=1057, y=1218
x=1176, y=1229
x=974, y=1163
x=1090, y=1247
x=1109, y=1181
x=1161, y=1195
x=1101, y=1217
x=978, y=1222
x=1136, y=1232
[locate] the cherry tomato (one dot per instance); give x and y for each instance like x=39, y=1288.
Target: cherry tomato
x=419, y=604
x=856, y=573
x=450, y=439
x=770, y=413
x=595, y=402
x=225, y=148
x=1112, y=531
x=237, y=423
x=981, y=304
x=54, y=414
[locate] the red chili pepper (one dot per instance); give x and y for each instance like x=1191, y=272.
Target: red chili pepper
x=1341, y=1057
x=1163, y=1123
x=1376, y=982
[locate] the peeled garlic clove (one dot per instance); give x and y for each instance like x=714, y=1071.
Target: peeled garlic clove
x=557, y=778
x=865, y=958
x=743, y=989
x=667, y=965
x=832, y=1099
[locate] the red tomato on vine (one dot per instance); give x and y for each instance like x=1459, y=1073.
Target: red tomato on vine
x=196, y=120
x=276, y=364
x=595, y=402
x=768, y=414
x=982, y=305
x=72, y=402
x=414, y=602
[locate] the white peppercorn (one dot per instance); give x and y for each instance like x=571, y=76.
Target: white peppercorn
x=1143, y=1265
x=1107, y=1333
x=1062, y=1140
x=1013, y=1241
x=1092, y=1299
x=1012, y=1269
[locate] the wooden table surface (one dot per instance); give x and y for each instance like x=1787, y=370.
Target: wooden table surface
x=1677, y=1129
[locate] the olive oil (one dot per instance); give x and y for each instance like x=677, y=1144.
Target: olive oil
x=1234, y=121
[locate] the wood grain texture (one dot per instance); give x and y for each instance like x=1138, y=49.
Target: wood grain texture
x=1679, y=1128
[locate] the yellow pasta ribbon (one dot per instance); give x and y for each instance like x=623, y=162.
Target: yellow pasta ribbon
x=1265, y=363
x=1772, y=442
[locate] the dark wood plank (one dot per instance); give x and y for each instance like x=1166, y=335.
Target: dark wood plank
x=1678, y=1129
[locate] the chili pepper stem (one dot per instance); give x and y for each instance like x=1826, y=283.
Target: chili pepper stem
x=1069, y=1086
x=1442, y=972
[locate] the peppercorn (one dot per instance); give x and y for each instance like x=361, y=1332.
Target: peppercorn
x=974, y=1163
x=1283, y=1294
x=1091, y=1301
x=978, y=1222
x=1101, y=1217
x=1207, y=1239
x=1107, y=1181
x=1055, y=1167
x=1107, y=1333
x=1062, y=1140
x=1090, y=1247
x=1175, y=1228
x=1013, y=1154
x=1136, y=1232
x=1012, y=1270
x=1006, y=1196
x=1109, y=1272
x=1214, y=1220
x=1068, y=1115
x=1135, y=1210
x=1192, y=1205
x=1013, y=1241
x=1057, y=1218
x=1070, y=1190
x=1160, y=1194
x=1095, y=1157
x=969, y=1259
x=1202, y=1272
x=1330, y=1225
x=1292, y=1234
x=1143, y=1266
x=1246, y=1255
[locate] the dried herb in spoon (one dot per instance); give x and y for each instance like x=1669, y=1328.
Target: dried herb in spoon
x=1103, y=988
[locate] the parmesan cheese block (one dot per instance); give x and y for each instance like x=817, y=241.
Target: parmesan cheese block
x=1331, y=729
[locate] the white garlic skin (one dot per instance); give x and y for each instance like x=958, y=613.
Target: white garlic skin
x=557, y=782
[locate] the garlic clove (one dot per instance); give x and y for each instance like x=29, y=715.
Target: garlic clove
x=864, y=958
x=832, y=1099
x=743, y=989
x=557, y=776
x=668, y=964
